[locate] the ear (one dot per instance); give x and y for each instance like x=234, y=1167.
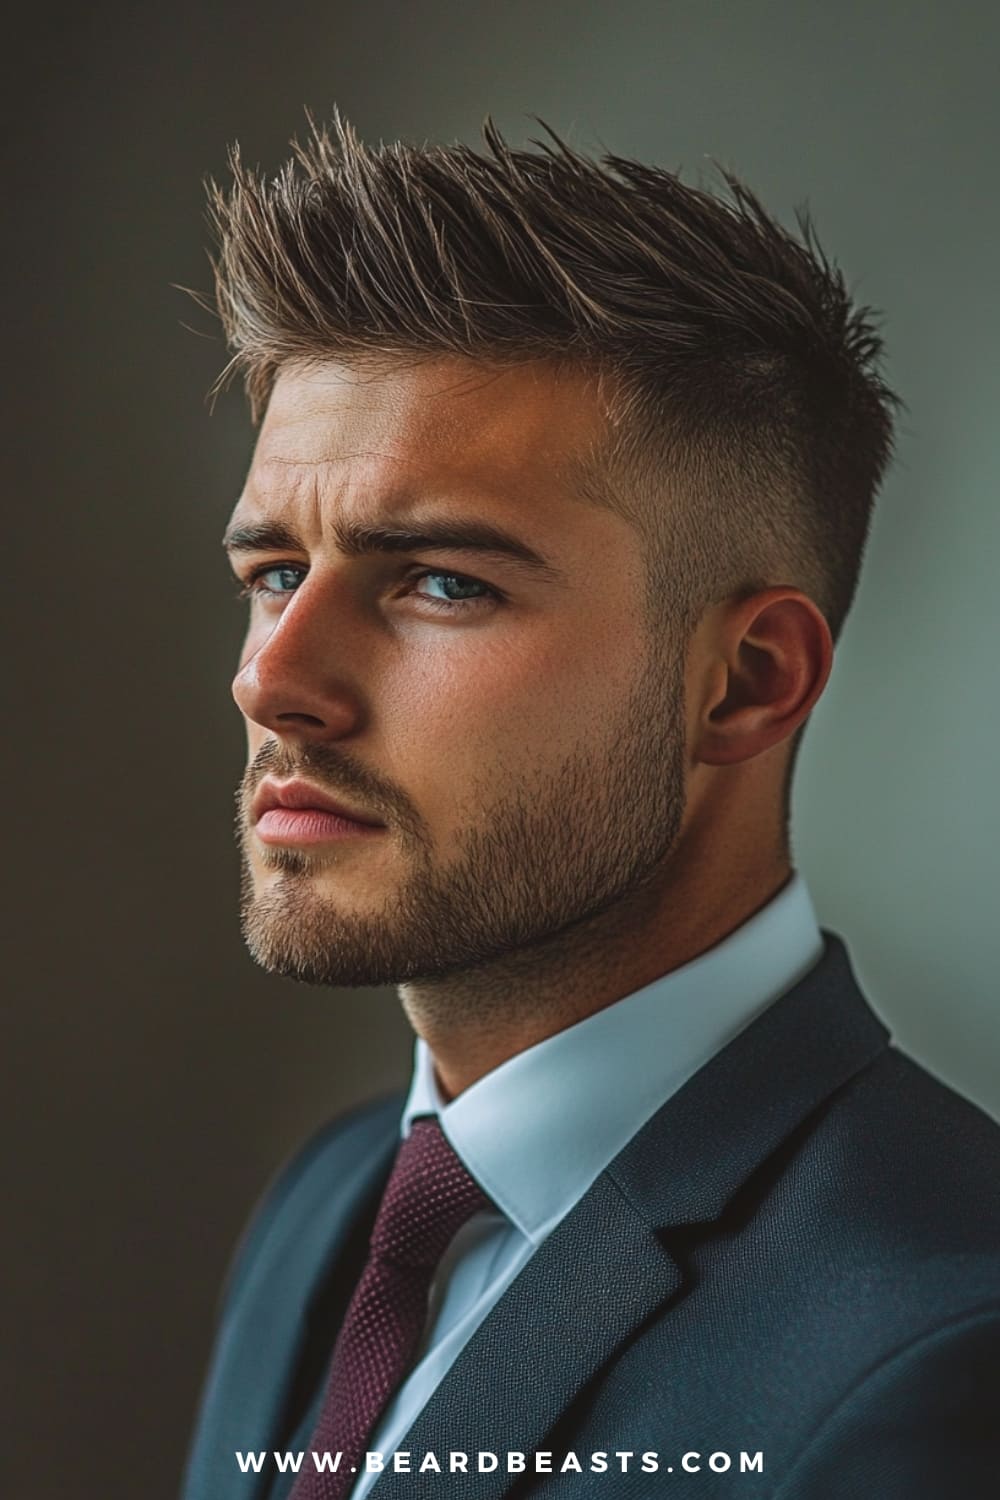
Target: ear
x=763, y=663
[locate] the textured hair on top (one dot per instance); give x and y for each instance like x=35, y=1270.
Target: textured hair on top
x=748, y=425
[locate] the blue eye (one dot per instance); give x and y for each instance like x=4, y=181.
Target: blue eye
x=455, y=588
x=453, y=592
x=253, y=587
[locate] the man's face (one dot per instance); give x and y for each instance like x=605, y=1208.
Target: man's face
x=504, y=714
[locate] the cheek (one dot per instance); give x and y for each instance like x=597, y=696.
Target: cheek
x=505, y=702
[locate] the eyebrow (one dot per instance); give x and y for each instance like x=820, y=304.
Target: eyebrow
x=358, y=540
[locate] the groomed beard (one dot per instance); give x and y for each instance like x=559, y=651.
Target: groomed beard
x=537, y=861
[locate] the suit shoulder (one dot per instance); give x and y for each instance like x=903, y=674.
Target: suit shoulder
x=349, y=1133
x=344, y=1139
x=903, y=1174
x=922, y=1130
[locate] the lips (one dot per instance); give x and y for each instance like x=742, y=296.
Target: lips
x=301, y=796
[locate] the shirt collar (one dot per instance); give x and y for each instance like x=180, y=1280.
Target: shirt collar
x=537, y=1130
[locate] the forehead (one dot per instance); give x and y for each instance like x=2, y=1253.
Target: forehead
x=443, y=425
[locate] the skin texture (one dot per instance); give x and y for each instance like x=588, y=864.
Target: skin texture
x=572, y=803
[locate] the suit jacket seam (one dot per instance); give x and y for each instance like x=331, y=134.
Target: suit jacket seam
x=979, y=1314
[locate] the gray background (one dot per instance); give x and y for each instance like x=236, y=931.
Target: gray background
x=158, y=1076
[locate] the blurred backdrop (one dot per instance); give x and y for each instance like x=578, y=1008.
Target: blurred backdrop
x=158, y=1077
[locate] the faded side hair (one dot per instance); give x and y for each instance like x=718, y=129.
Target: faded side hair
x=748, y=423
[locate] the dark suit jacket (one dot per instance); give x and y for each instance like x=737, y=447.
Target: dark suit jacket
x=797, y=1255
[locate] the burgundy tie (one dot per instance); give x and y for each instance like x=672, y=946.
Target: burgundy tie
x=427, y=1199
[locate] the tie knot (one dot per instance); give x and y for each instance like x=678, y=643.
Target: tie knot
x=427, y=1199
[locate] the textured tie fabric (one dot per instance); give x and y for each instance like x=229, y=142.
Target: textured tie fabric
x=428, y=1198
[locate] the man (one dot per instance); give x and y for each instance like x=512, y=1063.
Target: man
x=556, y=512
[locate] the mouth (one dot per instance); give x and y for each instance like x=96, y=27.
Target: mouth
x=299, y=813
x=287, y=825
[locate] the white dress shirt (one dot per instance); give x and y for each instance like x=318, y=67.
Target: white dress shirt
x=537, y=1130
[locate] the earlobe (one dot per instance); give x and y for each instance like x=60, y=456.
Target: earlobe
x=776, y=656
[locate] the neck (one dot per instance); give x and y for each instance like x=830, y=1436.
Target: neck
x=474, y=1021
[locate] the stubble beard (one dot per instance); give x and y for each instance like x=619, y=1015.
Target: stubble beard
x=587, y=834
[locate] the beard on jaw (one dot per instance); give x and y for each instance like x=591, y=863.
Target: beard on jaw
x=534, y=862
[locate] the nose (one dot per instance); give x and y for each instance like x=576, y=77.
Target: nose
x=293, y=675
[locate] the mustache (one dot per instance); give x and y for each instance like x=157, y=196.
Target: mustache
x=334, y=771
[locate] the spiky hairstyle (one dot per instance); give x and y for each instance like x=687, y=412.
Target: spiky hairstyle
x=748, y=421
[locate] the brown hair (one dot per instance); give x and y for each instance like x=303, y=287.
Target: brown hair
x=743, y=380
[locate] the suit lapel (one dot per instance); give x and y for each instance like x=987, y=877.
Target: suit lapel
x=606, y=1268
x=592, y=1283
x=693, y=1155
